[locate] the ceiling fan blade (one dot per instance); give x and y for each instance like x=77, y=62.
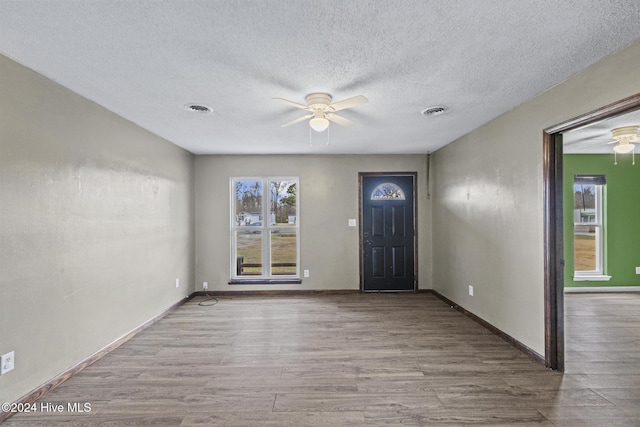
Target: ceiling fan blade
x=339, y=120
x=293, y=122
x=349, y=102
x=293, y=104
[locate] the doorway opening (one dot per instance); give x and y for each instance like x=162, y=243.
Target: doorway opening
x=554, y=259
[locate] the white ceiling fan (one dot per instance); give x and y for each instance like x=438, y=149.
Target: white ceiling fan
x=624, y=138
x=322, y=111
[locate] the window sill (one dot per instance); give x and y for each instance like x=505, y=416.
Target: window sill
x=265, y=282
x=594, y=278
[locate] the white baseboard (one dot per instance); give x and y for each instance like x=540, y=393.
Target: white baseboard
x=602, y=289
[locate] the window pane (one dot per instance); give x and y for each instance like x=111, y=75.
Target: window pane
x=387, y=191
x=584, y=248
x=284, y=249
x=248, y=203
x=584, y=203
x=249, y=253
x=283, y=202
x=261, y=206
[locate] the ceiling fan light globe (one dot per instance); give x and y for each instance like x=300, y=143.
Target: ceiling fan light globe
x=623, y=148
x=319, y=124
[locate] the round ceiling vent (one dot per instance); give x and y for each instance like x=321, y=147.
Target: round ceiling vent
x=199, y=108
x=435, y=110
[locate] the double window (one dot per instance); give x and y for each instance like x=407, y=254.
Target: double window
x=588, y=233
x=265, y=228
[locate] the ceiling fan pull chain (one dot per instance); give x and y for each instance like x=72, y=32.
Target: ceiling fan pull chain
x=615, y=158
x=328, y=130
x=310, y=143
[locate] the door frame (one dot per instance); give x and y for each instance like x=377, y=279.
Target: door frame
x=414, y=175
x=553, y=230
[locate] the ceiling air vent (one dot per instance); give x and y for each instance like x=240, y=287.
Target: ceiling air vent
x=435, y=110
x=199, y=108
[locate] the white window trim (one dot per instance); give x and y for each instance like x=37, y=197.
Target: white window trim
x=592, y=278
x=596, y=275
x=266, y=229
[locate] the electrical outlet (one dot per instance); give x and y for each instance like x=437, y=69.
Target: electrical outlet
x=7, y=362
x=205, y=286
x=177, y=283
x=352, y=222
x=637, y=270
x=306, y=273
x=470, y=290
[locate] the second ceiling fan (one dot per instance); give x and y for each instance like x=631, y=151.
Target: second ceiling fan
x=322, y=111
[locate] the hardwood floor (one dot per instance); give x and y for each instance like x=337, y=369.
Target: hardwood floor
x=603, y=353
x=355, y=360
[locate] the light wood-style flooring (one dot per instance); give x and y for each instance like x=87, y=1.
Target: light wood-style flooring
x=356, y=360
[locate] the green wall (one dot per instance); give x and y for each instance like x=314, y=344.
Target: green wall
x=621, y=216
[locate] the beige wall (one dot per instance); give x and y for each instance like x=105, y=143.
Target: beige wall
x=328, y=198
x=488, y=200
x=96, y=224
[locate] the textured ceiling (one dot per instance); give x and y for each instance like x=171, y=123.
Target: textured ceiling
x=145, y=60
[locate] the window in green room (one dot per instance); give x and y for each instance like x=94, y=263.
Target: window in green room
x=588, y=227
x=264, y=229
